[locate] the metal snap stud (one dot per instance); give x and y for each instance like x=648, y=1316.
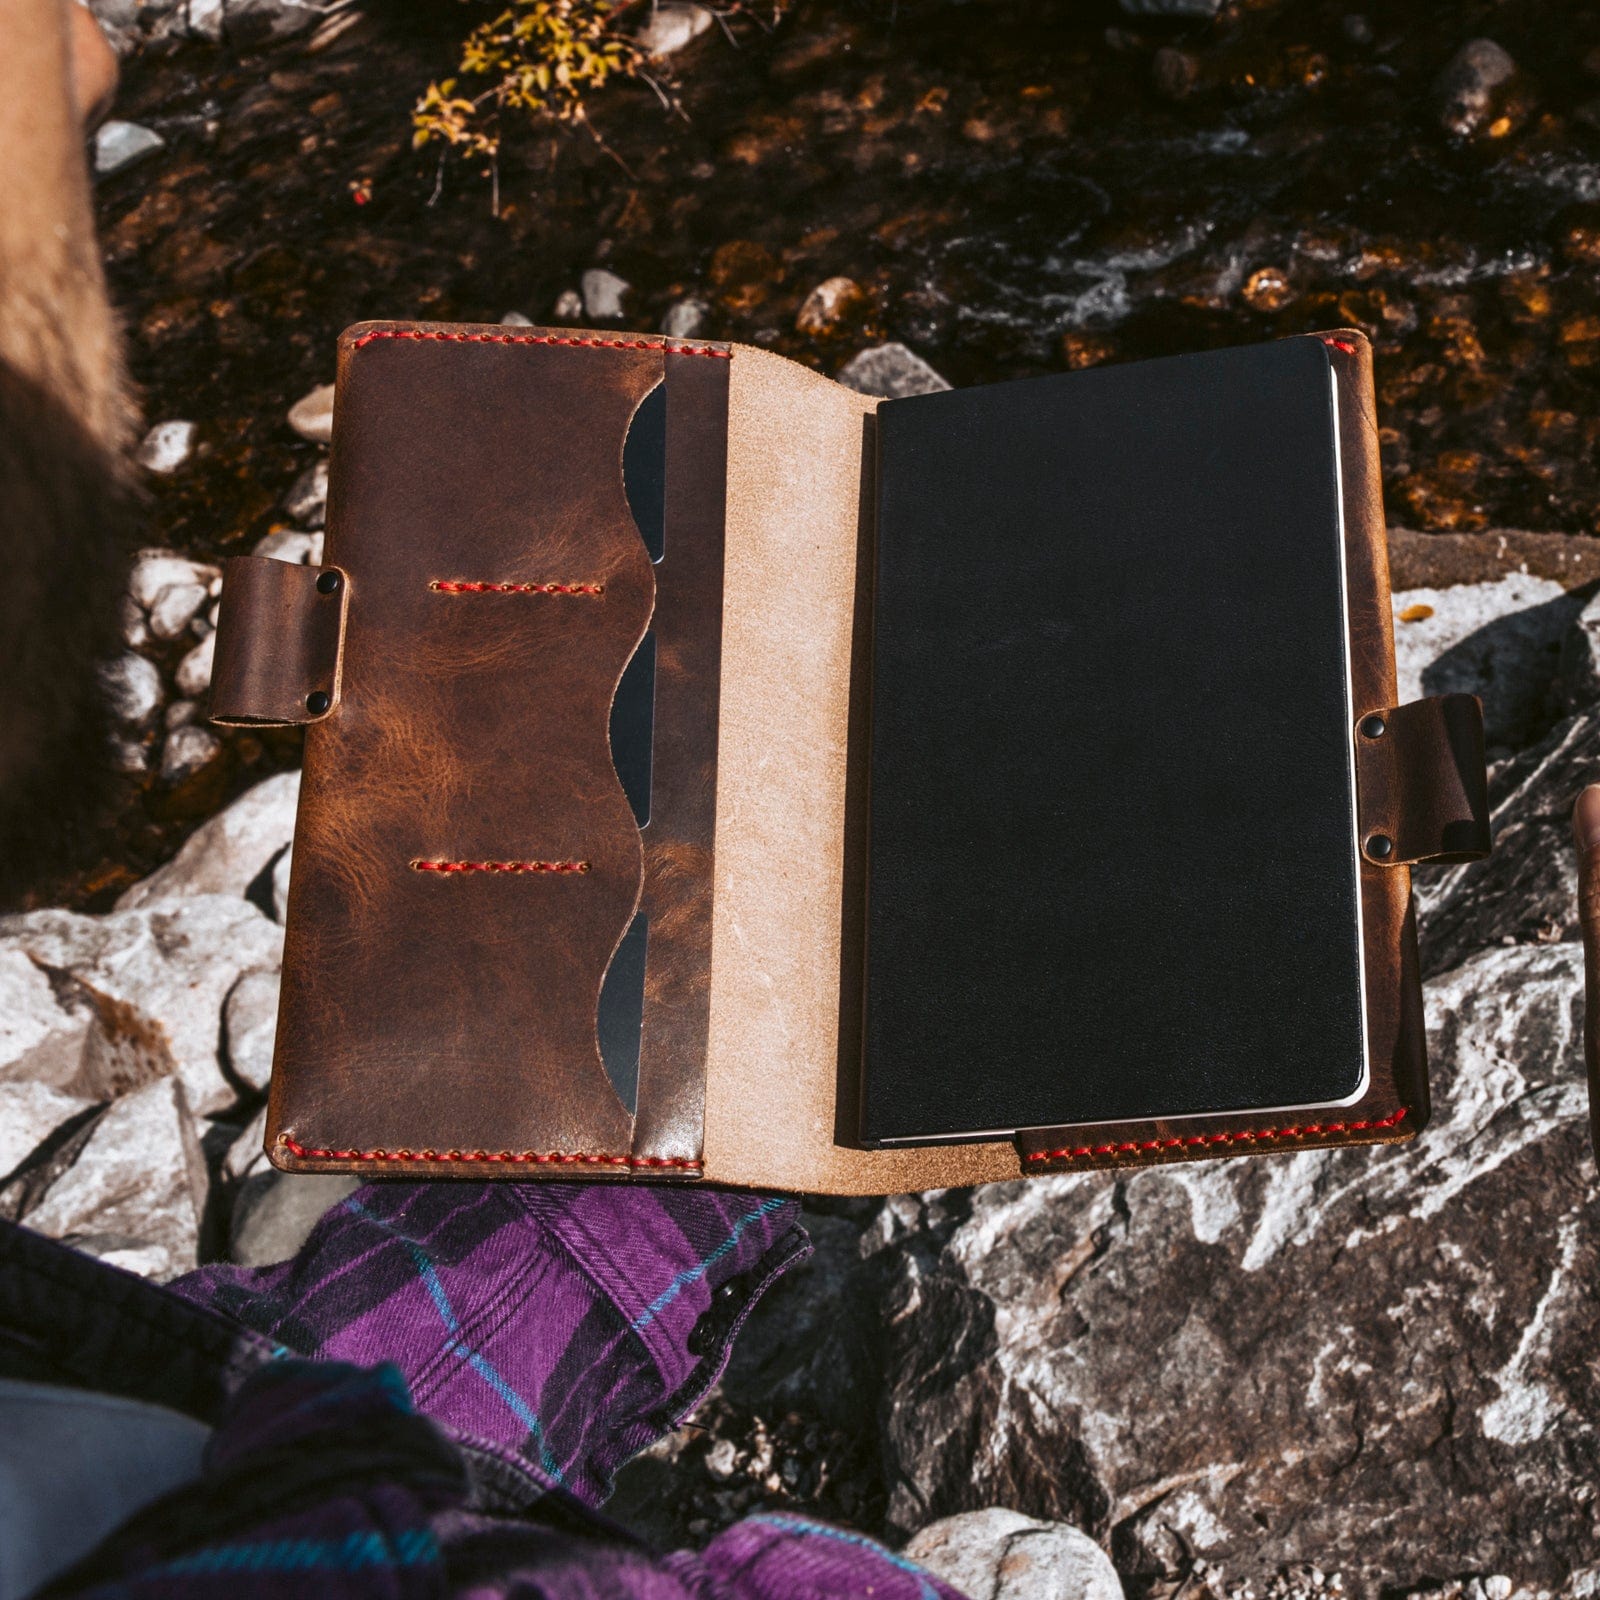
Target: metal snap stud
x=318, y=701
x=1380, y=847
x=1373, y=727
x=328, y=583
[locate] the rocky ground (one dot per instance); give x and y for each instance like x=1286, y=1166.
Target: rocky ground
x=1321, y=1374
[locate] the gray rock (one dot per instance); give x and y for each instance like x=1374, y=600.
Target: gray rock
x=275, y=1213
x=311, y=416
x=133, y=686
x=193, y=676
x=155, y=571
x=29, y=1114
x=1526, y=891
x=250, y=1022
x=42, y=1032
x=307, y=499
x=1501, y=641
x=1466, y=88
x=129, y=755
x=891, y=371
x=826, y=305
x=157, y=978
x=1381, y=1354
x=246, y=1155
x=188, y=749
x=120, y=145
x=167, y=446
x=135, y=625
x=175, y=608
x=181, y=713
x=515, y=319
x=997, y=1554
x=248, y=23
x=686, y=320
x=285, y=544
x=670, y=26
x=140, y=1178
x=1578, y=681
x=228, y=853
x=1171, y=8
x=604, y=294
x=281, y=868
x=203, y=20
x=568, y=306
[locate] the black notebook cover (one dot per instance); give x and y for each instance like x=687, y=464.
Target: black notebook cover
x=1112, y=845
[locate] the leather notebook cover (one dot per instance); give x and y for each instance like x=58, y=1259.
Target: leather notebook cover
x=595, y=742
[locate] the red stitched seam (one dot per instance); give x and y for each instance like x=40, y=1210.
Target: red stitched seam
x=461, y=586
x=499, y=866
x=1245, y=1135
x=536, y=1158
x=1341, y=344
x=541, y=338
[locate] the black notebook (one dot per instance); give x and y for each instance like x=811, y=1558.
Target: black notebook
x=1113, y=855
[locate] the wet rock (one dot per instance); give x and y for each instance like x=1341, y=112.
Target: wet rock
x=157, y=978
x=997, y=1554
x=138, y=1185
x=1501, y=641
x=307, y=500
x=29, y=1114
x=604, y=295
x=515, y=319
x=686, y=320
x=188, y=750
x=228, y=853
x=42, y=1033
x=670, y=26
x=250, y=1022
x=167, y=446
x=157, y=570
x=193, y=676
x=1187, y=1359
x=275, y=1213
x=828, y=305
x=133, y=686
x=311, y=416
x=568, y=306
x=1526, y=891
x=120, y=145
x=1466, y=88
x=286, y=544
x=892, y=371
x=175, y=608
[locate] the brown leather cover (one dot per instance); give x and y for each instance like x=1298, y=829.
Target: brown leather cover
x=1422, y=782
x=466, y=861
x=278, y=639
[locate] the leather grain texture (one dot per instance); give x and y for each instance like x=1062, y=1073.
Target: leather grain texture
x=1422, y=781
x=466, y=861
x=278, y=637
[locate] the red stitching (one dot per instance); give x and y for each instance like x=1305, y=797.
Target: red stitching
x=540, y=338
x=534, y=1158
x=1342, y=344
x=461, y=586
x=1245, y=1135
x=499, y=866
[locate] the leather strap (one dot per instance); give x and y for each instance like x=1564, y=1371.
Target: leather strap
x=279, y=636
x=1421, y=781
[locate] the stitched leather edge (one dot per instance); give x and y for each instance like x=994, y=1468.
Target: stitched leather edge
x=541, y=338
x=1242, y=1136
x=539, y=1158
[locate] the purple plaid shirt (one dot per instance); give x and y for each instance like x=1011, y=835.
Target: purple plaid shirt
x=432, y=1398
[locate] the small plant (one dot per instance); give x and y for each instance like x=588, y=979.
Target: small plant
x=543, y=60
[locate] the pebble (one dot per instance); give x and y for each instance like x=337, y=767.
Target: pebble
x=568, y=306
x=686, y=320
x=307, y=500
x=194, y=671
x=187, y=751
x=167, y=447
x=287, y=544
x=890, y=371
x=204, y=20
x=1174, y=73
x=181, y=713
x=129, y=756
x=281, y=868
x=119, y=145
x=155, y=570
x=134, y=688
x=247, y=23
x=135, y=625
x=1003, y=1553
x=603, y=294
x=515, y=319
x=670, y=26
x=827, y=305
x=311, y=416
x=1466, y=87
x=174, y=608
